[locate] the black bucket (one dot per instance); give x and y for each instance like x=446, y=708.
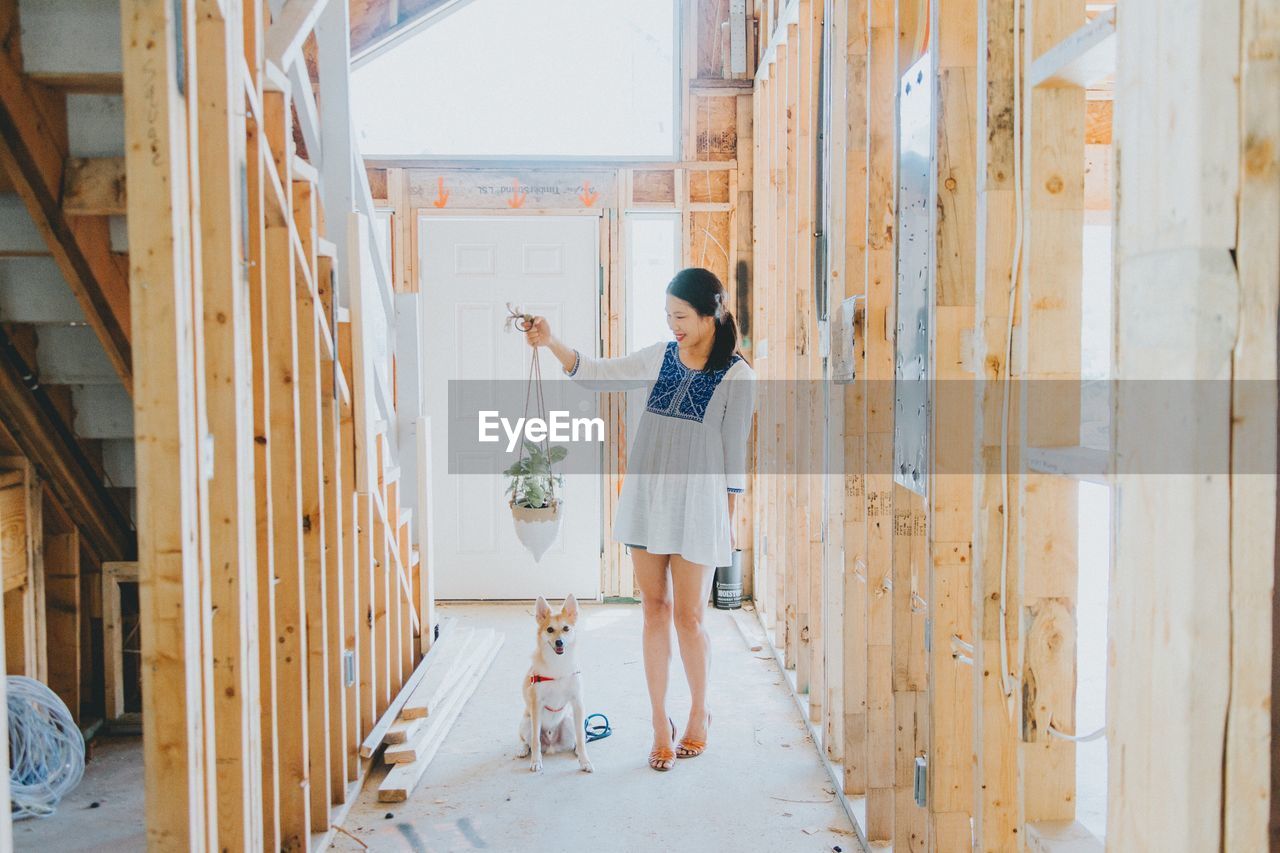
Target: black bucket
x=726, y=590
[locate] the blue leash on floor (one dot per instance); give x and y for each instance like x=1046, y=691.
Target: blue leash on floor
x=599, y=730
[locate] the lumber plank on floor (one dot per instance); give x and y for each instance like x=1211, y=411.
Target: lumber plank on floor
x=468, y=664
x=403, y=778
x=403, y=730
x=435, y=687
x=449, y=643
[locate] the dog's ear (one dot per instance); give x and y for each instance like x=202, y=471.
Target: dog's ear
x=570, y=606
x=542, y=610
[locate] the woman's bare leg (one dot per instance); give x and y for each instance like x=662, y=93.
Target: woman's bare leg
x=655, y=599
x=692, y=583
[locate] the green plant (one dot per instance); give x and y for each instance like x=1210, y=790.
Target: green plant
x=532, y=477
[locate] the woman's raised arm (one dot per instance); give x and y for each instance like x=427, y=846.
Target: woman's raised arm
x=600, y=374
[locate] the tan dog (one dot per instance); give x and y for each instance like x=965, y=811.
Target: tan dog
x=553, y=689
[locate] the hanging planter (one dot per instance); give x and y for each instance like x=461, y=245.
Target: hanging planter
x=536, y=511
x=537, y=527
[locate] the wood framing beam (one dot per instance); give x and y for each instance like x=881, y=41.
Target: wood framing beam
x=21, y=541
x=228, y=364
x=371, y=36
x=355, y=560
x=882, y=86
x=994, y=596
x=6, y=825
x=1254, y=418
x=371, y=656
x=311, y=453
x=94, y=187
x=293, y=757
x=778, y=348
x=789, y=533
x=62, y=589
x=949, y=696
x=304, y=101
x=33, y=419
x=1084, y=58
x=33, y=152
x=263, y=207
x=848, y=276
x=1187, y=763
x=811, y=421
x=339, y=579
x=806, y=435
x=1050, y=302
x=113, y=574
x=386, y=651
x=177, y=662
x=290, y=29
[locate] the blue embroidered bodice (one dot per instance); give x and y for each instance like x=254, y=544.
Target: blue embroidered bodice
x=681, y=392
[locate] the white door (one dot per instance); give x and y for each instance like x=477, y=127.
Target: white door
x=470, y=268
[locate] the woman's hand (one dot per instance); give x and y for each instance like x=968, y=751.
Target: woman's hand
x=539, y=334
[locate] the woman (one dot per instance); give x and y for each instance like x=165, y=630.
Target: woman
x=686, y=463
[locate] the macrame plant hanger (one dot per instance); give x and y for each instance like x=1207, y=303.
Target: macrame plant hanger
x=536, y=527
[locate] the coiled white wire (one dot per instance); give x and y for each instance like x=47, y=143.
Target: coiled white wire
x=46, y=749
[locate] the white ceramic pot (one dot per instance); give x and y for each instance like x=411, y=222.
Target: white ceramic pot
x=537, y=527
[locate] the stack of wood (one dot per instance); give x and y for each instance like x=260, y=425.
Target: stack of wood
x=422, y=714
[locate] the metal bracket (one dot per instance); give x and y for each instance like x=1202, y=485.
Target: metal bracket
x=348, y=667
x=922, y=781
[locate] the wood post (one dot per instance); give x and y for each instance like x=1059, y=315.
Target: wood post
x=177, y=659
x=113, y=574
x=259, y=213
x=311, y=449
x=62, y=590
x=1187, y=277
x=228, y=361
x=950, y=695
x=1254, y=410
x=1053, y=197
x=338, y=575
x=293, y=759
x=853, y=283
x=996, y=802
x=882, y=85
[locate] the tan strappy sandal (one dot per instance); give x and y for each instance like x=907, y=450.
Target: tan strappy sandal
x=664, y=755
x=692, y=747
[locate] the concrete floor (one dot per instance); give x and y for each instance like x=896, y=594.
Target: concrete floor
x=104, y=812
x=759, y=788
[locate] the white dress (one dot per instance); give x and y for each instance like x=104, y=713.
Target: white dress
x=689, y=451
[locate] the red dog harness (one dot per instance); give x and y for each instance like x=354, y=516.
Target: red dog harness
x=537, y=679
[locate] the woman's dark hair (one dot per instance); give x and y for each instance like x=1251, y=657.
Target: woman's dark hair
x=701, y=289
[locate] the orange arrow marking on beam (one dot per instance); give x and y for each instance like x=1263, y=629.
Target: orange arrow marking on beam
x=442, y=194
x=587, y=196
x=517, y=197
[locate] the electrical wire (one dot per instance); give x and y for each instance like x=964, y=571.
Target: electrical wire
x=1078, y=738
x=1015, y=282
x=46, y=749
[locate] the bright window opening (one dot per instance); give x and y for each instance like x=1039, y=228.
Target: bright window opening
x=1094, y=524
x=653, y=257
x=511, y=78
